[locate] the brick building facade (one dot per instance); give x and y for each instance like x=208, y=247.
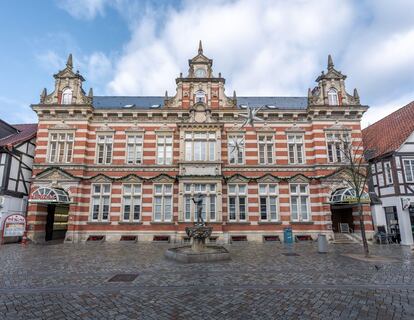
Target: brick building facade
x=127, y=167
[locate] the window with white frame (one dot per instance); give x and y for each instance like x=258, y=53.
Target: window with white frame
x=164, y=149
x=266, y=145
x=163, y=202
x=268, y=202
x=134, y=149
x=131, y=202
x=104, y=149
x=200, y=96
x=60, y=147
x=200, y=146
x=409, y=169
x=101, y=198
x=388, y=172
x=237, y=202
x=236, y=149
x=67, y=96
x=373, y=168
x=338, y=147
x=209, y=193
x=299, y=202
x=333, y=97
x=295, y=146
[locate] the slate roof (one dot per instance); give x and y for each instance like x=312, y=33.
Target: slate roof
x=389, y=133
x=107, y=102
x=25, y=132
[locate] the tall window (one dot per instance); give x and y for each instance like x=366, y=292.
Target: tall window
x=268, y=202
x=208, y=191
x=200, y=96
x=299, y=202
x=134, y=149
x=101, y=195
x=131, y=202
x=409, y=169
x=266, y=145
x=237, y=194
x=388, y=172
x=338, y=144
x=163, y=202
x=200, y=146
x=333, y=97
x=164, y=149
x=236, y=149
x=60, y=147
x=67, y=96
x=104, y=148
x=295, y=146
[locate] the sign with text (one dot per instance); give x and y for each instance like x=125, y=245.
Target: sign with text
x=14, y=226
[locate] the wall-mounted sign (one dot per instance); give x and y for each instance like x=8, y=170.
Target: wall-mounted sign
x=14, y=226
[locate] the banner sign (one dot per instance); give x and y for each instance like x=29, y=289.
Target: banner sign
x=14, y=226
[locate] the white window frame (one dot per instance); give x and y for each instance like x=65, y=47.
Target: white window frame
x=265, y=144
x=232, y=151
x=388, y=173
x=299, y=195
x=270, y=192
x=334, y=139
x=67, y=96
x=409, y=174
x=333, y=97
x=207, y=142
x=103, y=193
x=166, y=143
x=200, y=96
x=240, y=191
x=294, y=140
x=165, y=193
x=137, y=147
x=108, y=141
x=56, y=144
x=135, y=198
x=209, y=191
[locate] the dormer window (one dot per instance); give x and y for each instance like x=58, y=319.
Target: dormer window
x=200, y=96
x=67, y=96
x=333, y=97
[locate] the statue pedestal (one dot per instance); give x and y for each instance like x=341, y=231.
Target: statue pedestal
x=198, y=251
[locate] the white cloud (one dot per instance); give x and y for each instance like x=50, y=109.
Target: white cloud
x=83, y=9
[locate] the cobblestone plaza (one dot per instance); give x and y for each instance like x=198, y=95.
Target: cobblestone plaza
x=65, y=281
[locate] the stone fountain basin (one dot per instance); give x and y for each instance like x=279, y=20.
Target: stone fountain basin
x=208, y=254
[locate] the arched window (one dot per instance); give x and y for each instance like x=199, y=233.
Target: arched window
x=333, y=97
x=200, y=96
x=67, y=96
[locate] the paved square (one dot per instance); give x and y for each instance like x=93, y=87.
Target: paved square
x=260, y=282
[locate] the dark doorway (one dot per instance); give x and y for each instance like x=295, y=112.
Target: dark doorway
x=341, y=215
x=56, y=222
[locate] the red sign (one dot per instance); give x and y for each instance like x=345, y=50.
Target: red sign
x=38, y=196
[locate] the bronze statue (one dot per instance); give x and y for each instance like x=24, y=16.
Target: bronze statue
x=198, y=201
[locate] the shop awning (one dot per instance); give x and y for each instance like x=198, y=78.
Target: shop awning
x=347, y=196
x=49, y=195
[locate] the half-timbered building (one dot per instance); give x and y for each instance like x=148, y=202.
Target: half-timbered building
x=126, y=168
x=17, y=148
x=390, y=152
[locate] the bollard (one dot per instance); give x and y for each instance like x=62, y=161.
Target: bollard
x=322, y=243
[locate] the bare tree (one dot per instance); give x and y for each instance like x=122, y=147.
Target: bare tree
x=355, y=172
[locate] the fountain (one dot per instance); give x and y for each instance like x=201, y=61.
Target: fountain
x=198, y=251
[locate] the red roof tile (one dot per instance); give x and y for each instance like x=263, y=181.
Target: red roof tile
x=389, y=133
x=26, y=132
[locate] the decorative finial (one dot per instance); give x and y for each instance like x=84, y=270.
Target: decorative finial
x=234, y=94
x=356, y=95
x=90, y=94
x=43, y=95
x=181, y=74
x=309, y=93
x=330, y=62
x=200, y=48
x=166, y=94
x=219, y=74
x=69, y=63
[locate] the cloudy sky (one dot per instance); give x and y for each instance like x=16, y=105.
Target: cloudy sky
x=125, y=47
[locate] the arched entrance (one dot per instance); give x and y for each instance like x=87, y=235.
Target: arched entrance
x=57, y=202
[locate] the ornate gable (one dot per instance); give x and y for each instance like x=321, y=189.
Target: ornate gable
x=101, y=178
x=163, y=178
x=268, y=178
x=238, y=178
x=56, y=175
x=299, y=178
x=131, y=178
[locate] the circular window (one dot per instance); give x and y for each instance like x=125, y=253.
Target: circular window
x=200, y=73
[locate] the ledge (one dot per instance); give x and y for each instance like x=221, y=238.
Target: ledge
x=270, y=222
x=99, y=222
x=237, y=222
x=128, y=222
x=301, y=222
x=162, y=222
